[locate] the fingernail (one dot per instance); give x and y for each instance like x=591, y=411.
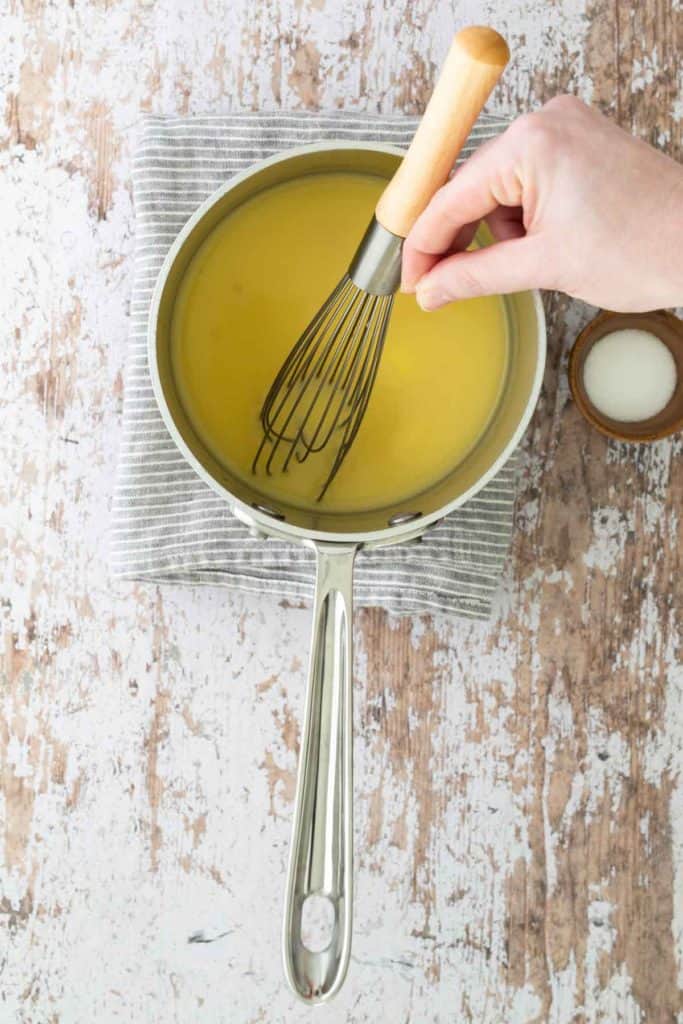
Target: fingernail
x=429, y=299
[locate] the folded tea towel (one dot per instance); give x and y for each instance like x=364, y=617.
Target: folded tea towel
x=168, y=525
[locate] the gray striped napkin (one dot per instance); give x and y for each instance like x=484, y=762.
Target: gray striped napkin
x=168, y=526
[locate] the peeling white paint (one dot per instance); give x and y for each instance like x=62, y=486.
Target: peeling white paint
x=610, y=532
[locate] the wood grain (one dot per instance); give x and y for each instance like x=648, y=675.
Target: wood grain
x=519, y=820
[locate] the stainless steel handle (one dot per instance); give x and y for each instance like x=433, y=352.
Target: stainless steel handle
x=321, y=855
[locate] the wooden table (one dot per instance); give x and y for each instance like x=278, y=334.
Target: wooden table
x=519, y=804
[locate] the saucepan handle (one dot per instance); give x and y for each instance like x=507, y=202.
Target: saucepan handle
x=321, y=854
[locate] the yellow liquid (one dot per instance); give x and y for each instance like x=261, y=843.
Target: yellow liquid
x=247, y=295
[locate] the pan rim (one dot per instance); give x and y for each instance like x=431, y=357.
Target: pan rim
x=256, y=518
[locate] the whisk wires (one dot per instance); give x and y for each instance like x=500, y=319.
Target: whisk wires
x=322, y=389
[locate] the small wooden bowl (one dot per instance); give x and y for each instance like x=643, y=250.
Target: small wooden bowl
x=669, y=329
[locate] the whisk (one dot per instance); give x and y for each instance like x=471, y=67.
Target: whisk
x=319, y=397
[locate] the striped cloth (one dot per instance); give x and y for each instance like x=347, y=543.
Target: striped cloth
x=168, y=526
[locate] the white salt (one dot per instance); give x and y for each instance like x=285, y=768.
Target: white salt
x=629, y=375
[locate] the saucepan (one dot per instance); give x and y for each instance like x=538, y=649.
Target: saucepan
x=321, y=854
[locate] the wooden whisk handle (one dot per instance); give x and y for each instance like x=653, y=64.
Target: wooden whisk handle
x=474, y=64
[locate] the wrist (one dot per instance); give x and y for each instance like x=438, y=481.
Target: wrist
x=670, y=246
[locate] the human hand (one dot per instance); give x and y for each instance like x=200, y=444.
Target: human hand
x=573, y=202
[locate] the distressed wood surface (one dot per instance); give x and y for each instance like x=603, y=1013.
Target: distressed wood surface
x=519, y=804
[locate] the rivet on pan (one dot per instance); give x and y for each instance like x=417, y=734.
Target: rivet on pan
x=404, y=517
x=273, y=513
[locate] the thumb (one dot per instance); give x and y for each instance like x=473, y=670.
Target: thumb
x=511, y=266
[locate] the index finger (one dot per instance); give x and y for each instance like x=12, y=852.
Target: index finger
x=485, y=181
